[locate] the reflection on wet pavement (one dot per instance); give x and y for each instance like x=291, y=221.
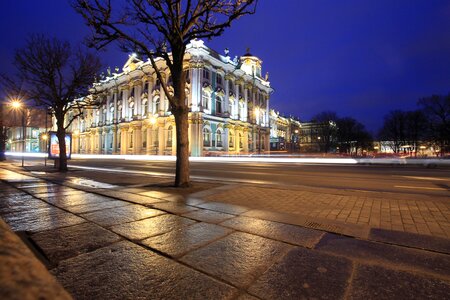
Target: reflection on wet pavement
x=90, y=183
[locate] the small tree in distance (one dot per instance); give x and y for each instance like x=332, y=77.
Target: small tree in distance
x=53, y=74
x=162, y=28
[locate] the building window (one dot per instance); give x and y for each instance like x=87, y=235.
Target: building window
x=169, y=137
x=157, y=104
x=218, y=138
x=144, y=138
x=206, y=137
x=144, y=107
x=206, y=74
x=241, y=111
x=230, y=107
x=218, y=105
x=145, y=89
x=231, y=140
x=219, y=79
x=206, y=98
x=241, y=139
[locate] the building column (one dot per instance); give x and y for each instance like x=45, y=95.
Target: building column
x=137, y=139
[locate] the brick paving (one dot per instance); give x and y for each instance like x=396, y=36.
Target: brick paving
x=427, y=216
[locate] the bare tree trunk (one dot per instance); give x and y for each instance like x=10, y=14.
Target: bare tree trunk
x=2, y=135
x=182, y=164
x=61, y=134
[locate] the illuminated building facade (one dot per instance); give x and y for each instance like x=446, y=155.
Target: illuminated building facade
x=228, y=100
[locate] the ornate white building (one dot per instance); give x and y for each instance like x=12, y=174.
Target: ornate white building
x=228, y=100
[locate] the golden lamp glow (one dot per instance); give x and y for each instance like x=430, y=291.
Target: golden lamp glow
x=16, y=104
x=76, y=132
x=152, y=120
x=45, y=137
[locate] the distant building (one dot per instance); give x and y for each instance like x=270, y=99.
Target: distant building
x=35, y=130
x=228, y=100
x=284, y=133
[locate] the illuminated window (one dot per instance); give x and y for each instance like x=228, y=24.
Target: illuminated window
x=169, y=136
x=231, y=140
x=206, y=137
x=218, y=105
x=206, y=99
x=218, y=138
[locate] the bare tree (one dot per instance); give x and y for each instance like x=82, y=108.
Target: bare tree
x=327, y=121
x=351, y=134
x=54, y=74
x=437, y=112
x=393, y=130
x=163, y=28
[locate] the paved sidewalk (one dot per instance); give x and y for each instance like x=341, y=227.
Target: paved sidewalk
x=145, y=242
x=430, y=216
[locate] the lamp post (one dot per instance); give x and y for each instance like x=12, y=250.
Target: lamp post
x=18, y=105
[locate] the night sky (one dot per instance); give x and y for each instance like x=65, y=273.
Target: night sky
x=357, y=58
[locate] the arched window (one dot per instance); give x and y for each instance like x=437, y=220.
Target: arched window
x=219, y=79
x=206, y=137
x=241, y=110
x=111, y=110
x=230, y=107
x=144, y=107
x=206, y=99
x=132, y=107
x=218, y=138
x=250, y=142
x=218, y=105
x=119, y=111
x=157, y=104
x=169, y=136
x=231, y=140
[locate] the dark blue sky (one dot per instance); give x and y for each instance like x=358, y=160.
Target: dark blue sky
x=358, y=58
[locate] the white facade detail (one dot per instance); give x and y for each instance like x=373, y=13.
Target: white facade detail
x=228, y=101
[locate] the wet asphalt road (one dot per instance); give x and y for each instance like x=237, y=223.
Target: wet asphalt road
x=404, y=179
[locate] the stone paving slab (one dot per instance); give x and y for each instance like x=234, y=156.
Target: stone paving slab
x=411, y=239
x=277, y=231
x=373, y=282
x=138, y=199
x=209, y=216
x=180, y=241
x=40, y=220
x=127, y=271
x=63, y=243
x=153, y=226
x=239, y=258
x=89, y=207
x=305, y=274
x=175, y=208
x=120, y=215
x=21, y=202
x=224, y=207
x=378, y=253
x=66, y=201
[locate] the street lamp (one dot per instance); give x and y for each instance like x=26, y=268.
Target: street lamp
x=18, y=105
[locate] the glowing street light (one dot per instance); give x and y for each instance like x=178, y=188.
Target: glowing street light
x=18, y=105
